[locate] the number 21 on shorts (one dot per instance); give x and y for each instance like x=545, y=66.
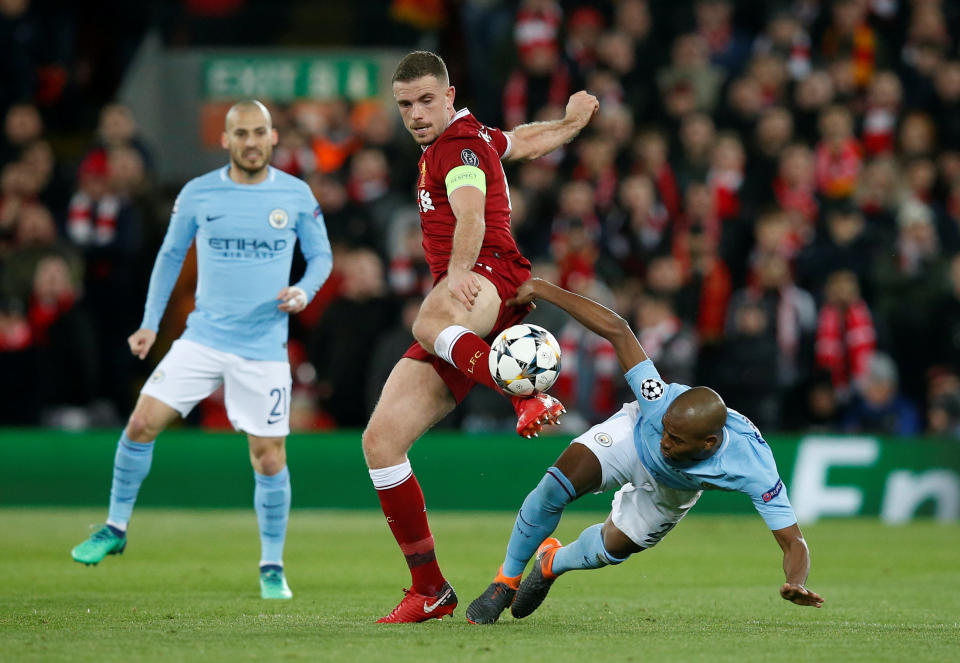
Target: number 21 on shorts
x=281, y=404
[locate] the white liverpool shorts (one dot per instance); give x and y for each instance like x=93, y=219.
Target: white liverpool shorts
x=643, y=509
x=256, y=393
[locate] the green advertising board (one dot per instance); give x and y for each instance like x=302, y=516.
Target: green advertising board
x=826, y=476
x=285, y=78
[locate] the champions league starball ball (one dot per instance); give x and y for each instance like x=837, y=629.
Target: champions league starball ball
x=525, y=359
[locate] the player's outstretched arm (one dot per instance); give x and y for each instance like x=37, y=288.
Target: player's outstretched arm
x=532, y=141
x=796, y=567
x=141, y=341
x=592, y=315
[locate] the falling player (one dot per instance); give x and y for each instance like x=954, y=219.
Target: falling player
x=660, y=451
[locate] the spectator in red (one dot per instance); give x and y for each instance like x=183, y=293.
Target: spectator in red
x=588, y=381
x=838, y=153
x=846, y=337
x=542, y=78
x=666, y=338
x=794, y=190
x=62, y=330
x=704, y=297
x=596, y=165
x=584, y=27
x=650, y=158
x=880, y=117
x=725, y=176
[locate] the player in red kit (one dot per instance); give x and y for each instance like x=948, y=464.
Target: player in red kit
x=464, y=203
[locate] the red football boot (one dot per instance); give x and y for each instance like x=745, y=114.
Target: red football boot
x=421, y=607
x=535, y=412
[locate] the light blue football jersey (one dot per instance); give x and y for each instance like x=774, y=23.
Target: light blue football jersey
x=743, y=463
x=245, y=236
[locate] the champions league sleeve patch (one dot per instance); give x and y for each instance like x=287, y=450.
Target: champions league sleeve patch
x=469, y=158
x=773, y=492
x=651, y=389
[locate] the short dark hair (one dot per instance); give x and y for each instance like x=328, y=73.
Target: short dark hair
x=419, y=64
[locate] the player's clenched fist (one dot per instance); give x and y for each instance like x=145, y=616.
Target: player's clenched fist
x=141, y=341
x=581, y=108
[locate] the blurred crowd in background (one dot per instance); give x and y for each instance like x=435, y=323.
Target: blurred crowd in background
x=770, y=195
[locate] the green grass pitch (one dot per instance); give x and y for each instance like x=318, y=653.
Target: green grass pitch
x=186, y=589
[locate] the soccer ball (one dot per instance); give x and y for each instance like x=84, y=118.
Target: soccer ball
x=525, y=359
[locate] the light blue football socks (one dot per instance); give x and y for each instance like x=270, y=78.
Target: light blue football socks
x=538, y=518
x=130, y=467
x=271, y=500
x=587, y=552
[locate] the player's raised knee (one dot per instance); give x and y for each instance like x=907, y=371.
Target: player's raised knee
x=140, y=427
x=425, y=332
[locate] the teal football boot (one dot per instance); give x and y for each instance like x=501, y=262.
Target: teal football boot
x=273, y=584
x=101, y=543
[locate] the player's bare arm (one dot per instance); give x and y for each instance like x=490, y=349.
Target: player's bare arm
x=467, y=204
x=532, y=141
x=796, y=567
x=141, y=341
x=595, y=317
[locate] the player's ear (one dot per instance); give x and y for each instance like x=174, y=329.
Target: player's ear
x=710, y=441
x=451, y=94
x=274, y=137
x=224, y=140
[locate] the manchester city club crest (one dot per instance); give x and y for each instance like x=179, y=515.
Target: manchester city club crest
x=603, y=439
x=651, y=389
x=279, y=219
x=158, y=376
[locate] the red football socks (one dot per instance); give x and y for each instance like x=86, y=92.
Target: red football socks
x=471, y=356
x=406, y=514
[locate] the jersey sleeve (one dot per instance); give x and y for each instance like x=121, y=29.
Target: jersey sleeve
x=768, y=492
x=653, y=394
x=464, y=162
x=314, y=244
x=166, y=268
x=500, y=140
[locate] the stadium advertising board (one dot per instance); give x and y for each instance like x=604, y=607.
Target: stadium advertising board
x=283, y=79
x=896, y=479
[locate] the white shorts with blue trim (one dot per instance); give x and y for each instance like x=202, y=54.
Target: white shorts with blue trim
x=256, y=393
x=643, y=509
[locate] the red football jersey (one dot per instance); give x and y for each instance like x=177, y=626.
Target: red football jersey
x=465, y=142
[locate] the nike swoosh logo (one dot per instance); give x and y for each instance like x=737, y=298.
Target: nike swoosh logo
x=214, y=218
x=427, y=608
x=274, y=421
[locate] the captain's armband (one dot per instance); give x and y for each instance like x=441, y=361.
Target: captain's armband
x=465, y=176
